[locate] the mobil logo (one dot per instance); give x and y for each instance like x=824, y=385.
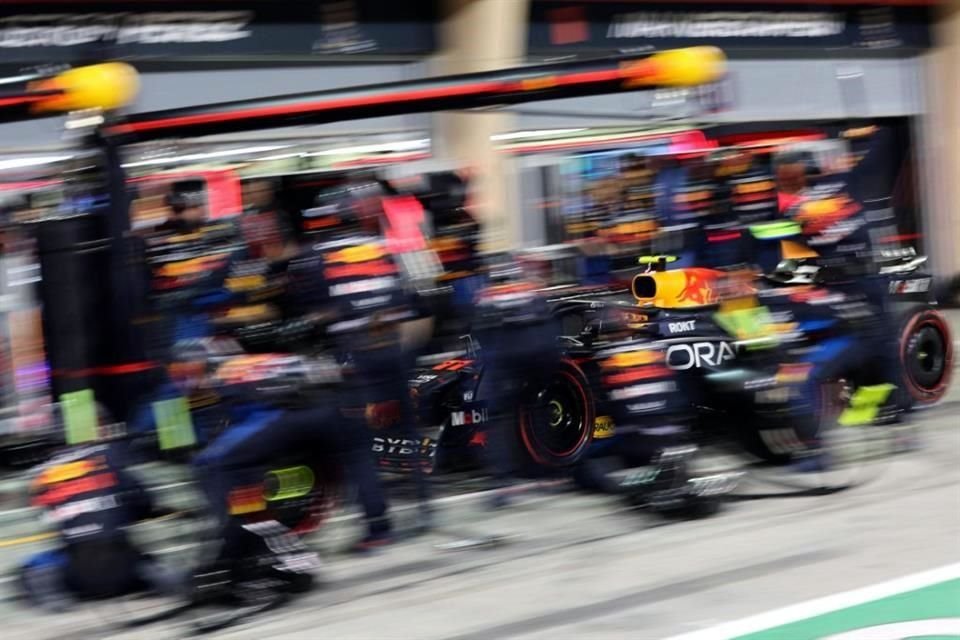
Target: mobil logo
x=697, y=355
x=469, y=415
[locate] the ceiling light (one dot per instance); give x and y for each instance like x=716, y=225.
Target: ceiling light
x=19, y=163
x=193, y=157
x=517, y=135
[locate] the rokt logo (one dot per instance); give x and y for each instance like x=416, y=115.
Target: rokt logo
x=682, y=326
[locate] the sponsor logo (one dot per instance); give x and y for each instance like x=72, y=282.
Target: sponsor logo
x=797, y=372
x=646, y=407
x=370, y=302
x=696, y=355
x=633, y=358
x=638, y=390
x=697, y=289
x=68, y=471
x=84, y=530
x=424, y=378
x=91, y=505
x=714, y=485
x=364, y=269
x=917, y=285
x=639, y=373
x=641, y=476
x=403, y=446
x=468, y=417
x=243, y=500
x=353, y=255
x=726, y=24
x=76, y=29
x=453, y=365
x=62, y=492
x=681, y=327
x=776, y=395
x=362, y=286
x=603, y=427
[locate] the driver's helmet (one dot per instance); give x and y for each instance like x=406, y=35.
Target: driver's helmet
x=794, y=272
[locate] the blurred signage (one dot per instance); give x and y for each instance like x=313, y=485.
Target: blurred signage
x=70, y=31
x=611, y=26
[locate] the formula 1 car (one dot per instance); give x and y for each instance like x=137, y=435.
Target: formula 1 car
x=779, y=358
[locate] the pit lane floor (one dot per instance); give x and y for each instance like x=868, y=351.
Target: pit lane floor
x=567, y=565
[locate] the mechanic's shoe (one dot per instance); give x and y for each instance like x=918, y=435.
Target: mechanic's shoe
x=379, y=534
x=290, y=581
x=906, y=440
x=164, y=580
x=372, y=542
x=499, y=500
x=425, y=520
x=811, y=463
x=211, y=583
x=42, y=587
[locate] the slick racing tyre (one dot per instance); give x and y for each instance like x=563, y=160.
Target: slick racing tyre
x=556, y=421
x=926, y=356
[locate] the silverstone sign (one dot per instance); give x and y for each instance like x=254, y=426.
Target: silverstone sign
x=615, y=26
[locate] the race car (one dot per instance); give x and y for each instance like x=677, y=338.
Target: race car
x=776, y=359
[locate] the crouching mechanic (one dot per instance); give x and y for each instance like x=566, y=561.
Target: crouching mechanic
x=91, y=497
x=349, y=285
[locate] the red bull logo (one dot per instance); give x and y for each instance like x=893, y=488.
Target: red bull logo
x=698, y=289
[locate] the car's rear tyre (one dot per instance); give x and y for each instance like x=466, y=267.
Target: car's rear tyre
x=557, y=420
x=926, y=356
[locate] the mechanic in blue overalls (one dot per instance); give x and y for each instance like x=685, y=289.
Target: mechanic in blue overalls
x=90, y=495
x=347, y=283
x=519, y=350
x=190, y=259
x=839, y=228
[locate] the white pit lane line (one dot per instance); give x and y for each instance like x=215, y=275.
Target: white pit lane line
x=826, y=604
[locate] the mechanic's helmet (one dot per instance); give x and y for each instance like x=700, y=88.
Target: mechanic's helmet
x=329, y=213
x=192, y=360
x=188, y=195
x=446, y=191
x=346, y=209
